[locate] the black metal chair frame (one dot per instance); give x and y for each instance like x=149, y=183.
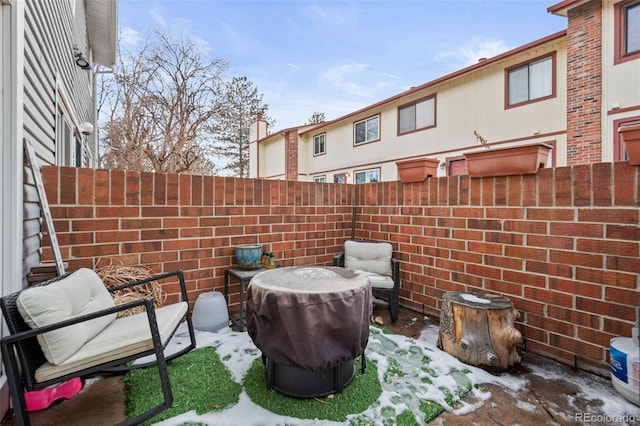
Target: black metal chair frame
x=394, y=292
x=22, y=354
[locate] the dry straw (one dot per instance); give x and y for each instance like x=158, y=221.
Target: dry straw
x=114, y=275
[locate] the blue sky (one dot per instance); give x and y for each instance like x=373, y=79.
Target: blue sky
x=336, y=57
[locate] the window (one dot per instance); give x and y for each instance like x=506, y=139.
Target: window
x=319, y=146
x=531, y=81
x=65, y=141
x=416, y=116
x=627, y=31
x=366, y=130
x=319, y=179
x=366, y=176
x=340, y=178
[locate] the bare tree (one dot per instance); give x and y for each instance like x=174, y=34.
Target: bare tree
x=242, y=104
x=316, y=117
x=160, y=104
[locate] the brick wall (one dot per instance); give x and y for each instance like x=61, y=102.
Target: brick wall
x=584, y=83
x=563, y=244
x=168, y=221
x=291, y=148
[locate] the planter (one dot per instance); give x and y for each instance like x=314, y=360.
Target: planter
x=518, y=160
x=417, y=169
x=248, y=256
x=630, y=135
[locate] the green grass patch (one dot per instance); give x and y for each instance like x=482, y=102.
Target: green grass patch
x=359, y=395
x=199, y=382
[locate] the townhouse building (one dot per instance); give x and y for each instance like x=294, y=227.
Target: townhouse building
x=572, y=90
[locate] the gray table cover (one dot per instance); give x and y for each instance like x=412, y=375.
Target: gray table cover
x=309, y=317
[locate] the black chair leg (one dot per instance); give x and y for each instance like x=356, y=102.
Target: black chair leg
x=393, y=307
x=16, y=387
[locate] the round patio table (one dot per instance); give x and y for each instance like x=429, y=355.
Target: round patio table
x=310, y=322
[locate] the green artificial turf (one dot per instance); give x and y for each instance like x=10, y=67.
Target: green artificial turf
x=363, y=391
x=199, y=382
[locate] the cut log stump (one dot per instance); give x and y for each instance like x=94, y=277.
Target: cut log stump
x=478, y=330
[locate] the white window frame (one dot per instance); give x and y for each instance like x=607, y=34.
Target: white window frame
x=320, y=144
x=421, y=115
x=531, y=81
x=65, y=150
x=371, y=130
x=366, y=176
x=320, y=179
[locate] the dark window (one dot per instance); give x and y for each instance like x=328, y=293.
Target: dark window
x=367, y=130
x=418, y=115
x=319, y=146
x=531, y=81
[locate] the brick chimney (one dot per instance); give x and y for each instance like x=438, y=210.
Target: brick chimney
x=291, y=152
x=584, y=83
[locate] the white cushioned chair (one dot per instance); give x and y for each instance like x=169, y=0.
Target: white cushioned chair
x=375, y=260
x=67, y=327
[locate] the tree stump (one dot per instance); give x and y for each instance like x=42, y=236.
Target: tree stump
x=478, y=330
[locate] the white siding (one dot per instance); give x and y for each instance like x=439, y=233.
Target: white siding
x=473, y=101
x=52, y=83
x=620, y=84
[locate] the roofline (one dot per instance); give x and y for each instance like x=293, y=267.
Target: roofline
x=453, y=75
x=563, y=7
x=288, y=129
x=109, y=10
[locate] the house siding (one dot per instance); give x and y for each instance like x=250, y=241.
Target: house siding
x=51, y=77
x=39, y=74
x=620, y=102
x=463, y=104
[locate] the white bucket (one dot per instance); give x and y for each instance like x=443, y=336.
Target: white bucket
x=625, y=367
x=210, y=312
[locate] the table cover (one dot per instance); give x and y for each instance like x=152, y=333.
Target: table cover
x=309, y=317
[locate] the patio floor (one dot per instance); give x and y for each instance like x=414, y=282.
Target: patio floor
x=555, y=399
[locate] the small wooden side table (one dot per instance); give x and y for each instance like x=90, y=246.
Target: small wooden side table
x=243, y=276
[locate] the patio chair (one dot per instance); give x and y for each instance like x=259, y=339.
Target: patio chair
x=67, y=327
x=375, y=260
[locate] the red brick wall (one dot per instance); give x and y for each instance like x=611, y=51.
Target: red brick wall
x=169, y=222
x=563, y=244
x=584, y=84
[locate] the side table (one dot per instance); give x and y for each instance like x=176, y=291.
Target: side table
x=243, y=276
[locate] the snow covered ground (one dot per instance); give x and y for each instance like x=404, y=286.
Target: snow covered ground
x=238, y=353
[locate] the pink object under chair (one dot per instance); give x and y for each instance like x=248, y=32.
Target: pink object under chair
x=43, y=398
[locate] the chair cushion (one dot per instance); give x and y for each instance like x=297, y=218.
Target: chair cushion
x=377, y=280
x=122, y=338
x=80, y=293
x=368, y=256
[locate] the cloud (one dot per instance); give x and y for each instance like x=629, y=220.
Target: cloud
x=333, y=14
x=294, y=68
x=351, y=79
x=469, y=53
x=129, y=36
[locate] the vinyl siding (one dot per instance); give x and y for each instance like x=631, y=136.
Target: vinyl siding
x=52, y=28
